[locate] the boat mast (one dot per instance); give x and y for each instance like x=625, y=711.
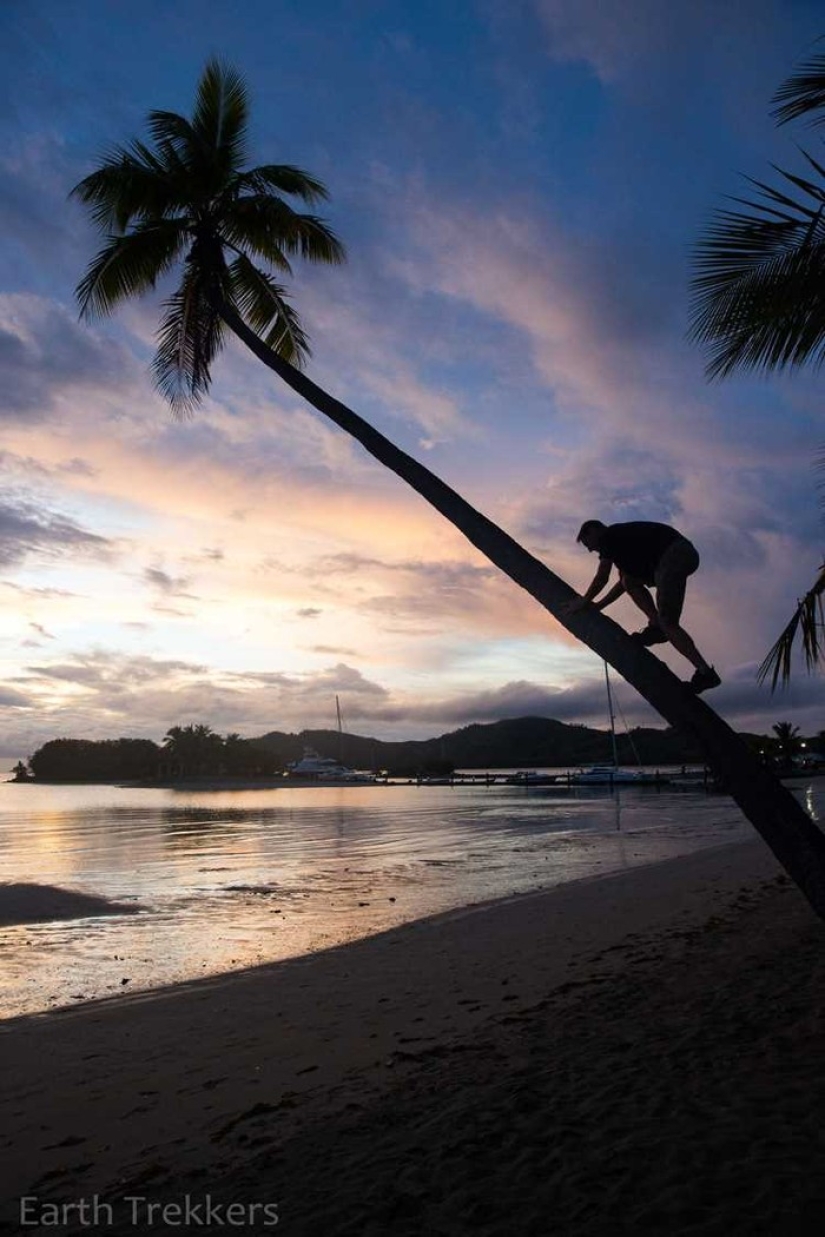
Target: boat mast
x=612, y=718
x=341, y=729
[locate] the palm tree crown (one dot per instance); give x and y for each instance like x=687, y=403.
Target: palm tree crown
x=188, y=196
x=758, y=302
x=758, y=294
x=788, y=741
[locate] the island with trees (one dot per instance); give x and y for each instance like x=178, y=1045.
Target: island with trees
x=195, y=751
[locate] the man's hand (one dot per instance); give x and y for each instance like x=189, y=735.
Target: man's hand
x=592, y=591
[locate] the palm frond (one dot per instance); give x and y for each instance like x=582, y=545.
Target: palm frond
x=269, y=228
x=282, y=178
x=818, y=168
x=263, y=305
x=807, y=622
x=189, y=338
x=172, y=132
x=802, y=93
x=247, y=228
x=130, y=265
x=131, y=183
x=758, y=294
x=793, y=207
x=221, y=115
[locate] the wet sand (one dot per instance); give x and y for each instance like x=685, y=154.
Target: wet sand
x=639, y=1053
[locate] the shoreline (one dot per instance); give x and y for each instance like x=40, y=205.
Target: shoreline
x=151, y=1089
x=691, y=780
x=225, y=979
x=260, y=898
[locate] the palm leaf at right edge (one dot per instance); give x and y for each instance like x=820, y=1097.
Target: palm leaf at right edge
x=807, y=621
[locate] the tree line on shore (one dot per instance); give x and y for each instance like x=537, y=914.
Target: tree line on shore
x=529, y=742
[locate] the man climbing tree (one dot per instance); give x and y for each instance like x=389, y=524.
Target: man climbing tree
x=647, y=553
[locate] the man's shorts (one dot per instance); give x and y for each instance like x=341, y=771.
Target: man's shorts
x=679, y=561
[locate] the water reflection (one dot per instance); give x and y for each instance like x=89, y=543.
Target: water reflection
x=812, y=805
x=230, y=879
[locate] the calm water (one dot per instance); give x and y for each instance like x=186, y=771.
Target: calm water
x=229, y=879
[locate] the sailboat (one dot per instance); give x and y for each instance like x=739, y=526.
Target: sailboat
x=613, y=774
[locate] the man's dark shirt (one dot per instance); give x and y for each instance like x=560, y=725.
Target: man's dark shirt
x=637, y=547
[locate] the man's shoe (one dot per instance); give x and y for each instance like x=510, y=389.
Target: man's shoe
x=703, y=680
x=652, y=634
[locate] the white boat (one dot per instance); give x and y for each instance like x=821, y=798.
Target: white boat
x=316, y=768
x=529, y=777
x=312, y=767
x=612, y=775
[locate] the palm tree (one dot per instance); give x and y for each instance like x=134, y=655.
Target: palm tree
x=759, y=303
x=788, y=741
x=239, y=756
x=195, y=748
x=188, y=198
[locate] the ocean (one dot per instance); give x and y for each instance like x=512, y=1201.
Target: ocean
x=221, y=880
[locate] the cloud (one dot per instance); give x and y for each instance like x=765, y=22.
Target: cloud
x=417, y=595
x=514, y=699
x=34, y=174
x=46, y=356
x=170, y=586
x=386, y=354
x=403, y=394
x=752, y=706
x=11, y=699
x=586, y=308
x=623, y=46
x=747, y=705
x=102, y=692
x=37, y=594
x=115, y=671
x=332, y=650
x=210, y=555
x=599, y=33
x=27, y=530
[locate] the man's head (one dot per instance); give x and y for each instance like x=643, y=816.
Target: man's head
x=590, y=534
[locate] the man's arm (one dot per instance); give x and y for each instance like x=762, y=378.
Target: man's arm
x=608, y=599
x=595, y=587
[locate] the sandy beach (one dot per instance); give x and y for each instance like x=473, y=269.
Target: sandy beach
x=638, y=1053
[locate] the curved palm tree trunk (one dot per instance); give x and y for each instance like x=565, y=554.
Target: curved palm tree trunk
x=786, y=827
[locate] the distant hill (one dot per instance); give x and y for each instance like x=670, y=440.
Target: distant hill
x=522, y=742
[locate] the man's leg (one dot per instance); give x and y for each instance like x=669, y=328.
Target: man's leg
x=705, y=675
x=683, y=644
x=671, y=583
x=637, y=592
x=652, y=634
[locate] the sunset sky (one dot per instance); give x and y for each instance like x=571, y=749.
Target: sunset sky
x=518, y=183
